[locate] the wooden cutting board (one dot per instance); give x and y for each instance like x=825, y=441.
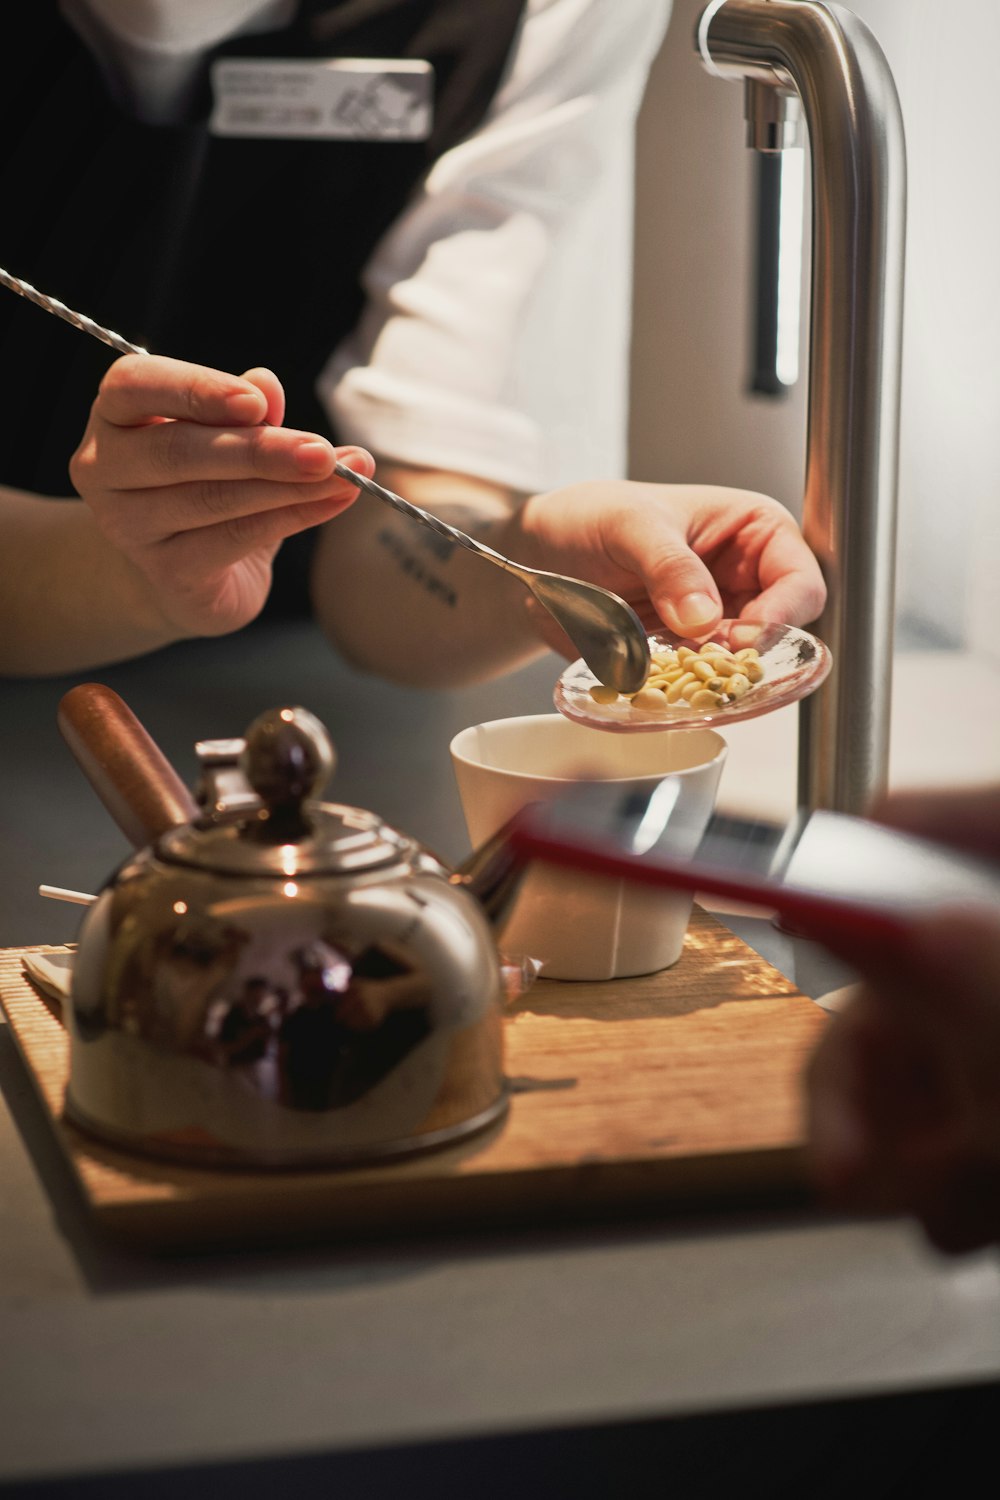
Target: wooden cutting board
x=627, y=1095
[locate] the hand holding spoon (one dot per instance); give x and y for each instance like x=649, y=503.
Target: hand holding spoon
x=605, y=630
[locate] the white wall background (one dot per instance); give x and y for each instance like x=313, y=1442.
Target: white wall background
x=691, y=416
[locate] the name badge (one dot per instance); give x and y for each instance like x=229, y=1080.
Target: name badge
x=331, y=99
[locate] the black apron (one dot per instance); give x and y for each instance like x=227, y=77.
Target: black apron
x=228, y=252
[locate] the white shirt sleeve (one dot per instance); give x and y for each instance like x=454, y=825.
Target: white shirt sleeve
x=495, y=336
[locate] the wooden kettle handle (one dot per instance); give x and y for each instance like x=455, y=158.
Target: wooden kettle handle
x=128, y=771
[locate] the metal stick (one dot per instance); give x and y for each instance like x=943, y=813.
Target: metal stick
x=78, y=320
x=59, y=893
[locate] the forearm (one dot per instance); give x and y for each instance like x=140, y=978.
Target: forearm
x=68, y=599
x=399, y=601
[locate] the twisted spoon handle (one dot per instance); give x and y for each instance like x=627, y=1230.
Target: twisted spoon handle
x=78, y=320
x=87, y=325
x=432, y=522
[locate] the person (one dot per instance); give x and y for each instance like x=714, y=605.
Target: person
x=904, y=1089
x=247, y=1024
x=452, y=304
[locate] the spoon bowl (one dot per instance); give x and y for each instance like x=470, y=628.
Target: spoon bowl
x=606, y=631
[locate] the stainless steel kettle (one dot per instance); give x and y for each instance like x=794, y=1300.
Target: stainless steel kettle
x=272, y=980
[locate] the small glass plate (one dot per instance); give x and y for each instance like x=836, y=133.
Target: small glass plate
x=794, y=663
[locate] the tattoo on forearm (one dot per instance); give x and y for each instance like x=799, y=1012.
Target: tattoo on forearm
x=473, y=522
x=414, y=568
x=439, y=545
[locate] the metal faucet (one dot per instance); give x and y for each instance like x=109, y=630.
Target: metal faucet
x=821, y=60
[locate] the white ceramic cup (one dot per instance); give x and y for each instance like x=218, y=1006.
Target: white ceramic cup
x=581, y=926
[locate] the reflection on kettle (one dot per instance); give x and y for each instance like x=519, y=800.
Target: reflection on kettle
x=324, y=1041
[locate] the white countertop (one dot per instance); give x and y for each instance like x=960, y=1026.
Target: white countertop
x=115, y=1360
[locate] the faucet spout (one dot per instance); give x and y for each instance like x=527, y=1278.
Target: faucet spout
x=827, y=58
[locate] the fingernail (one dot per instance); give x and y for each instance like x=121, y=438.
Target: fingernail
x=246, y=408
x=357, y=458
x=695, y=610
x=314, y=457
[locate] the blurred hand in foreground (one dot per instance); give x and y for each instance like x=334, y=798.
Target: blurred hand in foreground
x=904, y=1089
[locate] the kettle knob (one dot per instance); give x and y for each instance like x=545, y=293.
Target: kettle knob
x=287, y=758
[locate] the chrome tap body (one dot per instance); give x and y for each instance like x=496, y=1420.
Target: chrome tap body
x=822, y=55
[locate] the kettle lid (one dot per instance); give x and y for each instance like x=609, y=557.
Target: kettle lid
x=286, y=758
